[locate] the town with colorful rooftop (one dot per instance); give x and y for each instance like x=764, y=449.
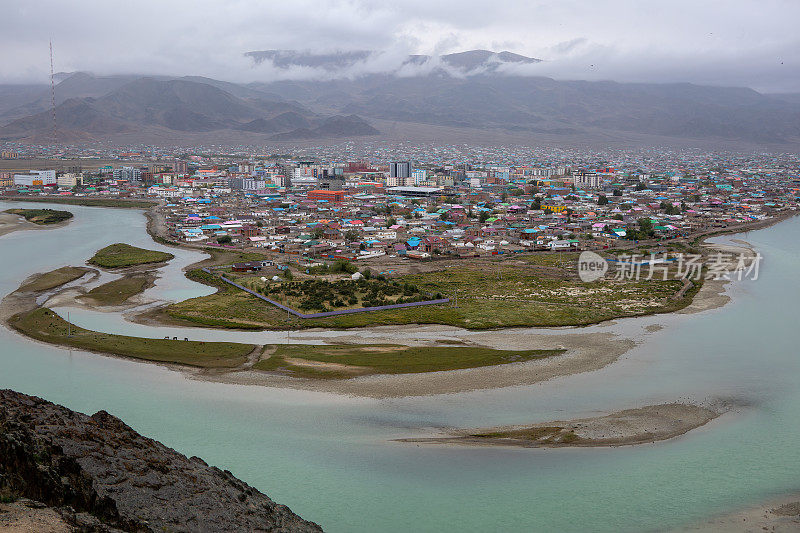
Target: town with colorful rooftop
x=487, y=224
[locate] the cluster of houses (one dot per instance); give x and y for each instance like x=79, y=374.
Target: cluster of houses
x=536, y=214
x=362, y=210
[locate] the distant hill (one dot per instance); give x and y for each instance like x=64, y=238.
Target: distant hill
x=566, y=108
x=793, y=98
x=77, y=85
x=336, y=126
x=188, y=105
x=478, y=94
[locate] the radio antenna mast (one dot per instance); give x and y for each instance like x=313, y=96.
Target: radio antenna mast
x=53, y=94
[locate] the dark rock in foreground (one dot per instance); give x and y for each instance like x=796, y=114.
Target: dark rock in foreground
x=104, y=476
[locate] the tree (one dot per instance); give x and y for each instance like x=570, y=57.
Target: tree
x=342, y=265
x=617, y=192
x=670, y=209
x=351, y=235
x=643, y=231
x=483, y=217
x=640, y=187
x=225, y=239
x=391, y=221
x=602, y=200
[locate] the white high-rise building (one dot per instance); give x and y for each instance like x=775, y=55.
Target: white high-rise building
x=36, y=177
x=586, y=180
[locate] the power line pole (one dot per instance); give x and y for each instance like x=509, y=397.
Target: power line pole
x=53, y=94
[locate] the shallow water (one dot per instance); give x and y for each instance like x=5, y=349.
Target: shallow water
x=330, y=459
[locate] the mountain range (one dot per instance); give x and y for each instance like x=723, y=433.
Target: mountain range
x=93, y=108
x=476, y=93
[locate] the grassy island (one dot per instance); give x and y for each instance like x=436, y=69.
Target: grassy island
x=43, y=217
x=54, y=278
x=44, y=325
x=297, y=360
x=345, y=361
x=124, y=255
x=118, y=291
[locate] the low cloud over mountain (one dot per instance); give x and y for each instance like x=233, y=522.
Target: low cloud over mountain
x=478, y=91
x=346, y=64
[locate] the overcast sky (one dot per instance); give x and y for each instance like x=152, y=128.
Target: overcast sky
x=719, y=42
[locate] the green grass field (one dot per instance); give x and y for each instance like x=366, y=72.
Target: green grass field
x=344, y=361
x=43, y=217
x=537, y=291
x=54, y=278
x=124, y=255
x=230, y=308
x=45, y=325
x=118, y=291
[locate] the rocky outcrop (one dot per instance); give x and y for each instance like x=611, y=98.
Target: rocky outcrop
x=104, y=476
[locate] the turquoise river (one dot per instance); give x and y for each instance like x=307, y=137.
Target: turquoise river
x=332, y=459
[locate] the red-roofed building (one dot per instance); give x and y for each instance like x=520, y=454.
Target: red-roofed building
x=331, y=196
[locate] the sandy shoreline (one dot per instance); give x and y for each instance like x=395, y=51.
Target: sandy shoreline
x=585, y=352
x=780, y=515
x=10, y=223
x=641, y=425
